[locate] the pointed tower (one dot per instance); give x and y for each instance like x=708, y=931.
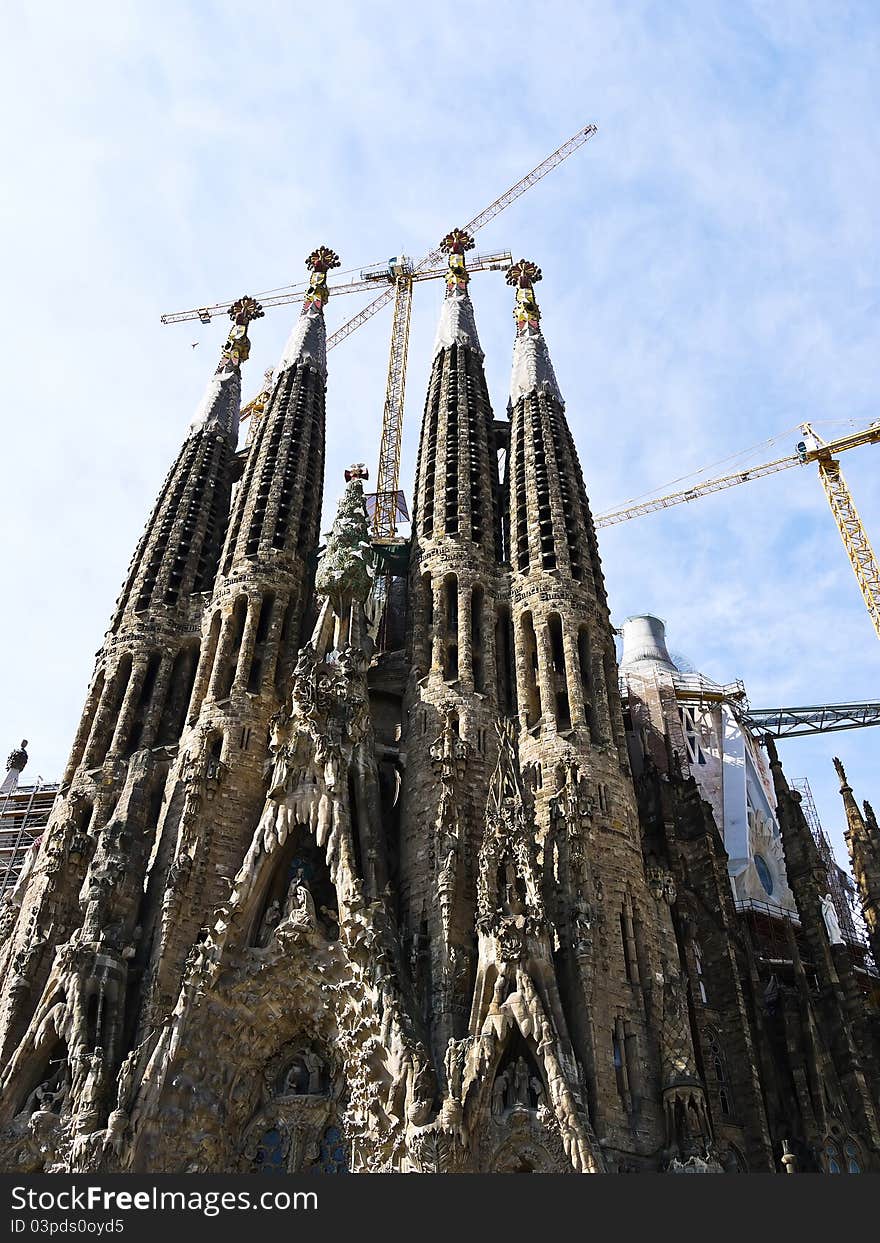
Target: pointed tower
x=863, y=842
x=839, y=999
x=457, y=611
x=617, y=963
x=74, y=935
x=250, y=635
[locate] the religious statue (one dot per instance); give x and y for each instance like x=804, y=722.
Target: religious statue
x=832, y=923
x=299, y=909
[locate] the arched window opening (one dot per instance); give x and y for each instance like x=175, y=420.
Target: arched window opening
x=450, y=623
x=183, y=673
x=542, y=487
x=530, y=669
x=206, y=667
x=236, y=624
x=284, y=660
x=717, y=1067
x=109, y=713
x=143, y=704
x=521, y=536
x=618, y=1057
x=698, y=971
x=628, y=939
x=428, y=619
x=832, y=1158
x=270, y=1157
x=333, y=1155
x=560, y=684
x=477, y=599
x=505, y=667
x=432, y=417
x=451, y=472
x=609, y=665
x=258, y=660
x=584, y=666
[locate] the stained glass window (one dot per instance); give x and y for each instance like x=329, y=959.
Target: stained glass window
x=269, y=1158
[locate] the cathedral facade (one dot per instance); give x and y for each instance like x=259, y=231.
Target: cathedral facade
x=313, y=901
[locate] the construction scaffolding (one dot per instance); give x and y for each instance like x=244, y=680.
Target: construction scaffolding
x=841, y=888
x=24, y=814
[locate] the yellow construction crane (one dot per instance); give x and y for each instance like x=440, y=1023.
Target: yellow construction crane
x=812, y=448
x=398, y=276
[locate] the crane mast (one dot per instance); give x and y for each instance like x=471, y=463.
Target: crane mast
x=843, y=508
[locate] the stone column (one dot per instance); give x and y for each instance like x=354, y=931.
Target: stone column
x=122, y=732
x=248, y=641
x=157, y=703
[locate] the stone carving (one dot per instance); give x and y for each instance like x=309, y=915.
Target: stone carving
x=832, y=923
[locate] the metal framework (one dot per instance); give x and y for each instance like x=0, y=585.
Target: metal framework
x=854, y=536
x=388, y=474
x=488, y=213
x=811, y=449
x=836, y=887
x=24, y=813
x=820, y=719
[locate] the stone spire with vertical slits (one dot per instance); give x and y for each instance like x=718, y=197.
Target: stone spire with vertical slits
x=455, y=496
x=278, y=505
x=177, y=554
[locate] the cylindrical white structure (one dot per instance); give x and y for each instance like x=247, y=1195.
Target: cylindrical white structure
x=644, y=639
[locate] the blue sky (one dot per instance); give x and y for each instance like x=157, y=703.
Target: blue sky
x=710, y=280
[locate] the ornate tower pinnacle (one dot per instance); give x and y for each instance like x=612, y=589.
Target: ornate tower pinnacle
x=308, y=342
x=455, y=244
x=457, y=325
x=221, y=405
x=532, y=368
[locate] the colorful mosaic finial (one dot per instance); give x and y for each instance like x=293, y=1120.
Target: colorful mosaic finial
x=356, y=471
x=238, y=347
x=523, y=275
x=455, y=244
x=319, y=263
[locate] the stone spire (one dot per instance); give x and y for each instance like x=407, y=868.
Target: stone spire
x=456, y=597
x=178, y=552
x=863, y=841
x=307, y=342
x=250, y=635
x=567, y=669
x=221, y=405
x=455, y=496
x=278, y=505
x=532, y=369
x=457, y=325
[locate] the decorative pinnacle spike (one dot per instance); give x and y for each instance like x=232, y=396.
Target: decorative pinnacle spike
x=457, y=242
x=523, y=275
x=245, y=310
x=319, y=263
x=841, y=772
x=238, y=347
x=322, y=259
